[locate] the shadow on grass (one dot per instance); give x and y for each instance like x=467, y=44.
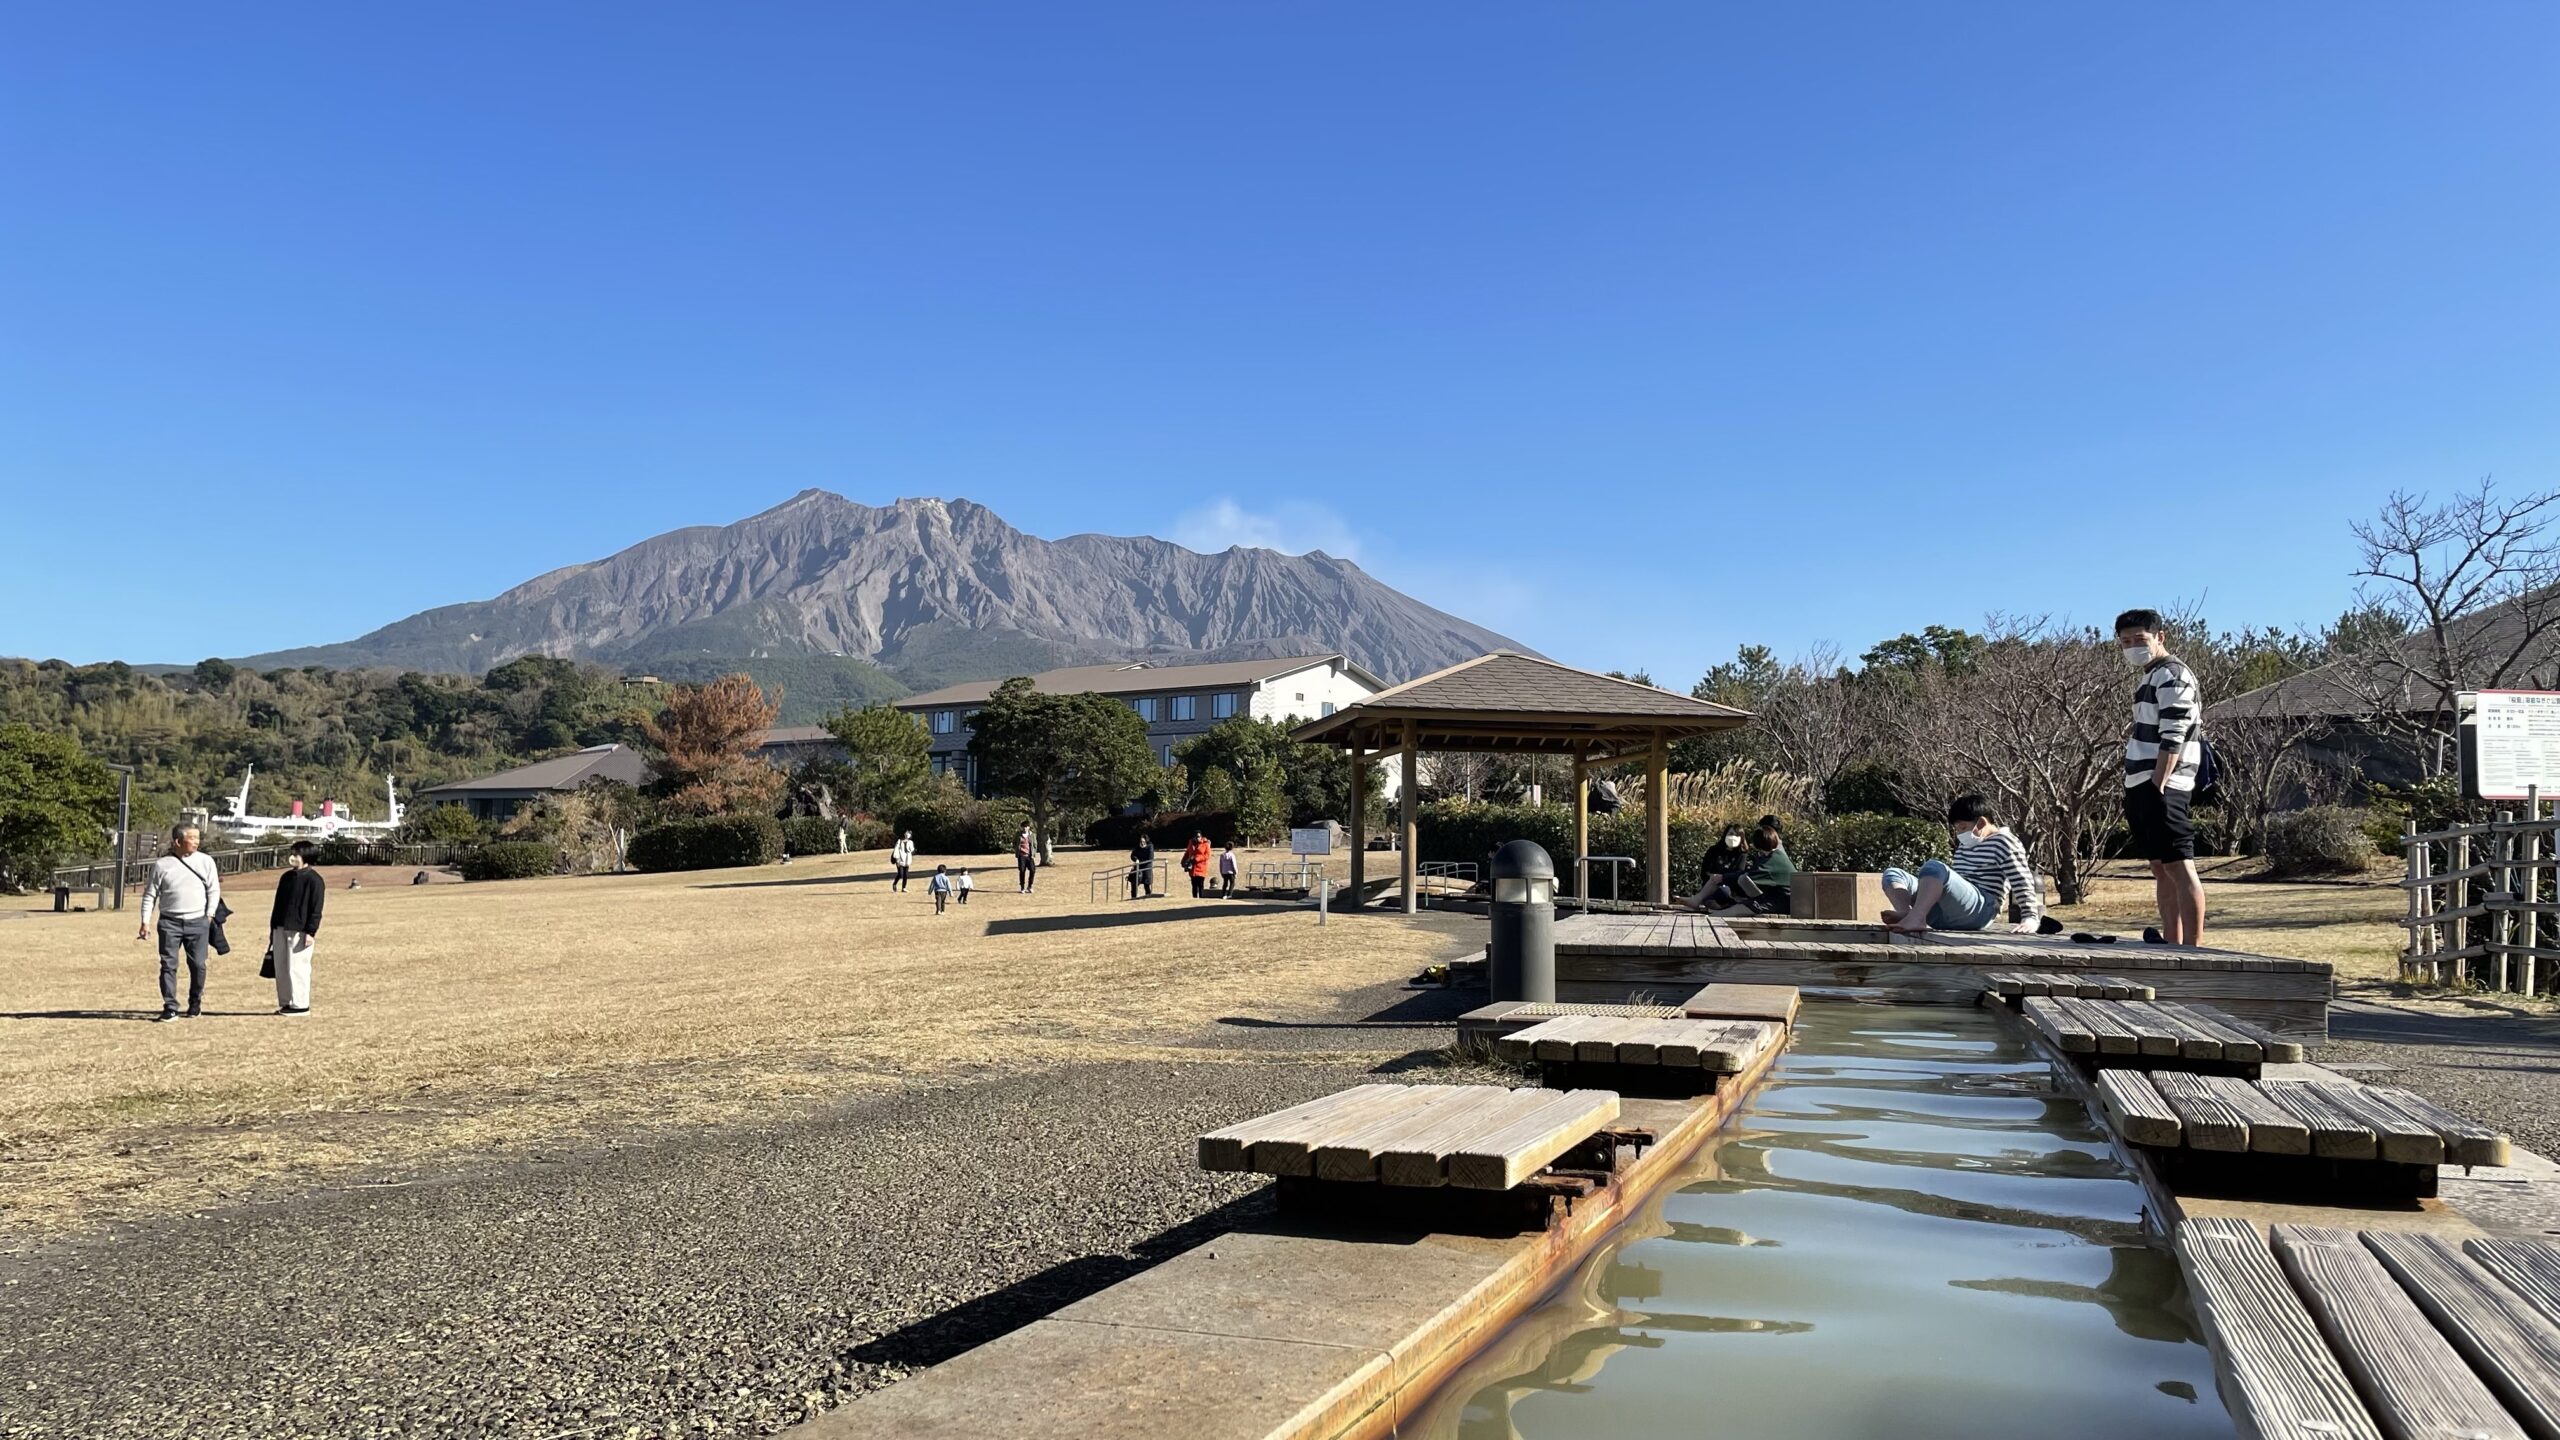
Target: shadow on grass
x=1201, y=910
x=1433, y=1005
x=972, y=1323
x=884, y=877
x=83, y=1014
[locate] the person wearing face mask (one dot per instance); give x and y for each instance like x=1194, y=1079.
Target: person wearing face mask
x=1762, y=886
x=2162, y=757
x=1717, y=869
x=1989, y=876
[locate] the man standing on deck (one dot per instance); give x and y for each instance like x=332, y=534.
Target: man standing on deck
x=183, y=891
x=2161, y=759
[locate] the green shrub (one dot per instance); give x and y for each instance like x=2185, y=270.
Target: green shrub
x=707, y=843
x=1459, y=831
x=864, y=833
x=1867, y=842
x=814, y=835
x=508, y=860
x=953, y=823
x=2323, y=840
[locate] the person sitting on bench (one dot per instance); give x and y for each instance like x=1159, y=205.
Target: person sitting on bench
x=1990, y=874
x=1757, y=886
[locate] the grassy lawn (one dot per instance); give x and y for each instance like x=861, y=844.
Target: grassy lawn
x=482, y=1023
x=2354, y=927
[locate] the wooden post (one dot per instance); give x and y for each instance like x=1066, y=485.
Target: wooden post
x=1657, y=822
x=2427, y=938
x=2533, y=888
x=1359, y=825
x=2502, y=844
x=1582, y=829
x=1412, y=838
x=2463, y=929
x=2410, y=949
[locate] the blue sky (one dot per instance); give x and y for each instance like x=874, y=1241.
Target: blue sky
x=1633, y=330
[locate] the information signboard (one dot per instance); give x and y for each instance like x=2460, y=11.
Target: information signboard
x=1313, y=840
x=2511, y=742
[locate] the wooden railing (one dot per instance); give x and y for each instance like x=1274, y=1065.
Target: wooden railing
x=2484, y=904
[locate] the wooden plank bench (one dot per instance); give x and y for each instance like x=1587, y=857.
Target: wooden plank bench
x=2321, y=1333
x=2334, y=1141
x=1372, y=1150
x=2011, y=986
x=1634, y=1055
x=2154, y=1035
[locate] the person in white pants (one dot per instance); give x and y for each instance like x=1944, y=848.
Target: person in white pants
x=293, y=926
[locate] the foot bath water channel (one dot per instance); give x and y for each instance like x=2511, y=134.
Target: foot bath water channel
x=1909, y=1233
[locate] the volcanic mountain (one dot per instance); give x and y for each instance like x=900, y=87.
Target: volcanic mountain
x=927, y=589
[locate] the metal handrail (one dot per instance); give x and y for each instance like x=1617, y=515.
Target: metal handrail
x=1613, y=862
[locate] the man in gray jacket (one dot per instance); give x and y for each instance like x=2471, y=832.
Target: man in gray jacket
x=183, y=891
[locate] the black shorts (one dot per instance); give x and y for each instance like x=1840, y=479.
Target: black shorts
x=2158, y=819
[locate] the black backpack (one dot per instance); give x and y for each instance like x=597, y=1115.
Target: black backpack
x=2208, y=773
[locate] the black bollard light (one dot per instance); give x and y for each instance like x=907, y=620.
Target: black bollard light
x=1521, y=961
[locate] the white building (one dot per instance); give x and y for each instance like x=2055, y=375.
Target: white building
x=1176, y=701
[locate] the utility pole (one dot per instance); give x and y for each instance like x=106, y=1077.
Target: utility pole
x=124, y=824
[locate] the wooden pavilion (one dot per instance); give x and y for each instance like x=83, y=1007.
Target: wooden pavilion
x=1512, y=704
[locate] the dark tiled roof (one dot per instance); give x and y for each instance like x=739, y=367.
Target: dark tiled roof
x=797, y=735
x=2514, y=641
x=1130, y=679
x=561, y=772
x=1508, y=683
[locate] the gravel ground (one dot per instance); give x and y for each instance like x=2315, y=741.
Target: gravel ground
x=2491, y=1065
x=722, y=1285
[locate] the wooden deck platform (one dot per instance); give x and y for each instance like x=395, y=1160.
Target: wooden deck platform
x=2327, y=1333
x=1318, y=1329
x=1637, y=1056
x=2012, y=986
x=1613, y=958
x=1778, y=1004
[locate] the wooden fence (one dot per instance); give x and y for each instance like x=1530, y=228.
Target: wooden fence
x=2484, y=903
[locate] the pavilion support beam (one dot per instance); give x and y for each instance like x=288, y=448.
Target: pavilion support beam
x=1657, y=822
x=1359, y=826
x=1410, y=843
x=1582, y=830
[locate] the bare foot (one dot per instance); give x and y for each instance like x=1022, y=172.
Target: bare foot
x=1907, y=926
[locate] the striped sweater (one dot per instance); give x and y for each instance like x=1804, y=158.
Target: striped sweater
x=2168, y=710
x=1997, y=866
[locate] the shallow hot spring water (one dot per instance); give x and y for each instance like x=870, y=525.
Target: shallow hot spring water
x=1909, y=1232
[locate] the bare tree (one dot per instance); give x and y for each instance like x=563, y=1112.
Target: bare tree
x=1815, y=718
x=2442, y=569
x=2036, y=723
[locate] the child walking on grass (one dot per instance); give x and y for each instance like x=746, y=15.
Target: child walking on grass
x=940, y=885
x=964, y=884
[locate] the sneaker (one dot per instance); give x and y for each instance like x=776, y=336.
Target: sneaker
x=2151, y=936
x=165, y=1017
x=293, y=1009
x=195, y=1012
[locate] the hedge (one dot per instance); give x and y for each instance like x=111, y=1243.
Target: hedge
x=508, y=860
x=2323, y=840
x=1867, y=842
x=966, y=827
x=1172, y=829
x=814, y=835
x=709, y=843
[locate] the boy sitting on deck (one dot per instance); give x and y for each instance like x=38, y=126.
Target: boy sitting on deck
x=1989, y=874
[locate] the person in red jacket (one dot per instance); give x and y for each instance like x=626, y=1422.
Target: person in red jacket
x=1195, y=859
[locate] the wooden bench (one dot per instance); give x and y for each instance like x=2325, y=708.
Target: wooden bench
x=2011, y=986
x=2332, y=1334
x=2154, y=1035
x=1678, y=1056
x=2272, y=1139
x=1424, y=1138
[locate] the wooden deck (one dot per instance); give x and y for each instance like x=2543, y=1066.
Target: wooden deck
x=1615, y=958
x=1474, y=1137
x=2329, y=1333
x=2155, y=1035
x=2015, y=985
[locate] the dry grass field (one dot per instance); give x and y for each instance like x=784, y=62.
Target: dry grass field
x=461, y=1025
x=2353, y=927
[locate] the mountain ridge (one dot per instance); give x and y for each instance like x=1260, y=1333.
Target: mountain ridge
x=921, y=587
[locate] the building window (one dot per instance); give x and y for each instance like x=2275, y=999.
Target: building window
x=1185, y=706
x=1168, y=754
x=1324, y=709
x=941, y=722
x=1222, y=705
x=1145, y=705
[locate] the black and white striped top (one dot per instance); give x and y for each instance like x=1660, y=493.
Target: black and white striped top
x=1997, y=865
x=2167, y=710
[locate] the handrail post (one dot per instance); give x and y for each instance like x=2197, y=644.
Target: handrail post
x=2533, y=887
x=2502, y=847
x=2459, y=951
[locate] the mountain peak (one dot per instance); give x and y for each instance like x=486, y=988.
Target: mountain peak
x=925, y=586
